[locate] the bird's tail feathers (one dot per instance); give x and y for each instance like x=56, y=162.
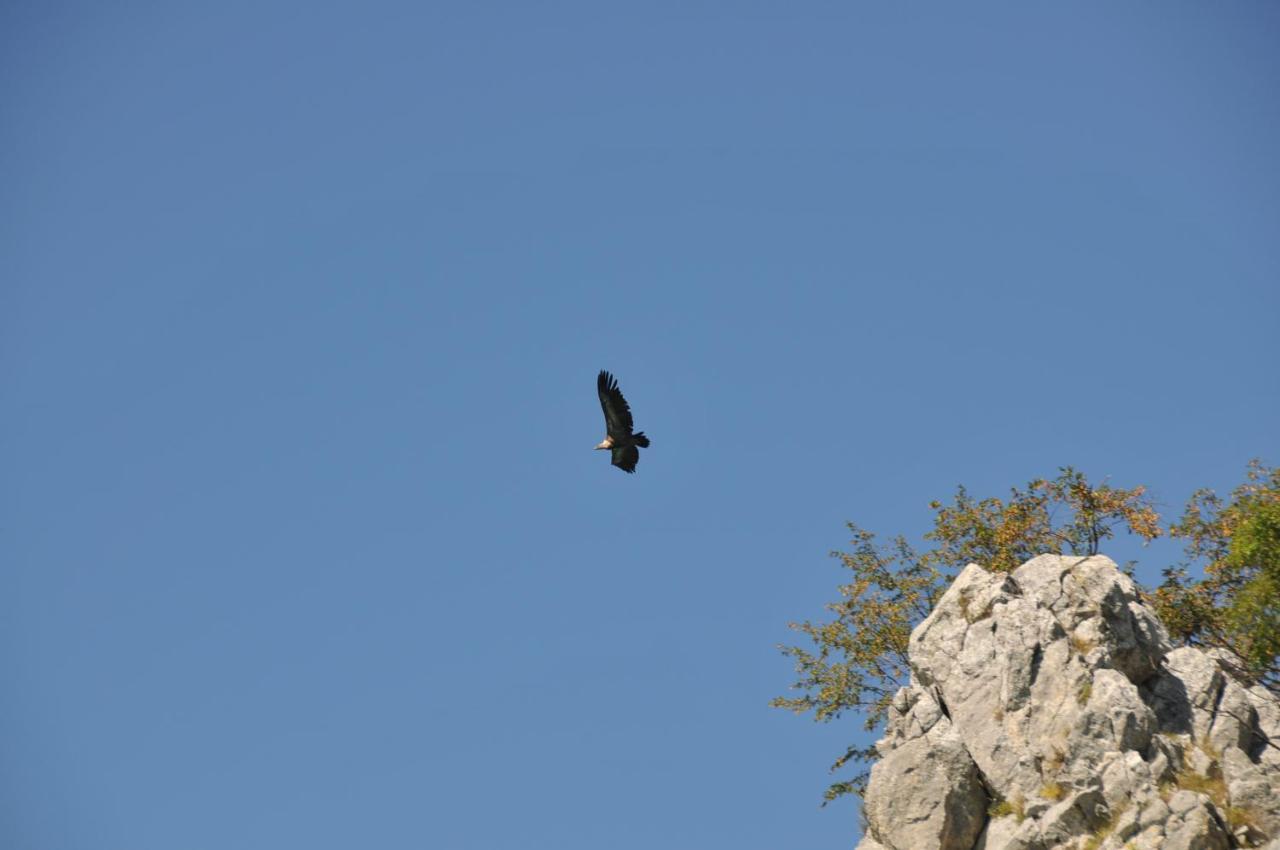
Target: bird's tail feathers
x=641, y=440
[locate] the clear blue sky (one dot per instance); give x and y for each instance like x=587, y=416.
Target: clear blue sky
x=303, y=541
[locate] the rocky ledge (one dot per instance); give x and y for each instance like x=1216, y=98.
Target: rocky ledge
x=1047, y=709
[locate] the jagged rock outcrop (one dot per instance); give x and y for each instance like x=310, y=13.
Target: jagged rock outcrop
x=1047, y=709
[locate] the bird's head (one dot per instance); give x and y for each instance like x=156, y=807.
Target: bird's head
x=606, y=443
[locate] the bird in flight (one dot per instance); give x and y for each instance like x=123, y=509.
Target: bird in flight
x=621, y=443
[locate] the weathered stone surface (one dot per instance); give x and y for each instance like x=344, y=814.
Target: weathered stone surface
x=1089, y=596
x=1055, y=688
x=935, y=796
x=1005, y=833
x=1183, y=802
x=1252, y=789
x=1196, y=829
x=1078, y=814
x=1149, y=839
x=925, y=792
x=1153, y=812
x=1264, y=744
x=1115, y=717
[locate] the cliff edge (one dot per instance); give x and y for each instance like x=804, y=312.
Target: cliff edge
x=1047, y=709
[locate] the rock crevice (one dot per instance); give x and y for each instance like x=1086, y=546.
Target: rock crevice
x=1047, y=709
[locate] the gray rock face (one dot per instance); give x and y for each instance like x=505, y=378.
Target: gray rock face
x=1048, y=709
x=948, y=810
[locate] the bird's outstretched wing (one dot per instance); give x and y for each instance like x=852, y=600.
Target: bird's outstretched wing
x=626, y=458
x=617, y=415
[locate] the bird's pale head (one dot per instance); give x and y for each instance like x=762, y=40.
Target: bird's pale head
x=606, y=443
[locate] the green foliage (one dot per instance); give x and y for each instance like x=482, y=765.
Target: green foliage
x=858, y=660
x=1000, y=535
x=1236, y=606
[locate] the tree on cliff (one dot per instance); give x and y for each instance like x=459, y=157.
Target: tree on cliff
x=1236, y=606
x=858, y=660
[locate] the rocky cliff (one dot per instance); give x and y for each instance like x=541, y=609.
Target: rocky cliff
x=1047, y=709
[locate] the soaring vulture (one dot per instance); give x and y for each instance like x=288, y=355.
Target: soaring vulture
x=622, y=444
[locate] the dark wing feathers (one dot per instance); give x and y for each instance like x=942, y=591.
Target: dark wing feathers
x=617, y=415
x=625, y=458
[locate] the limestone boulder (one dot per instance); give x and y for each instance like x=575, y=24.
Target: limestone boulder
x=1047, y=709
